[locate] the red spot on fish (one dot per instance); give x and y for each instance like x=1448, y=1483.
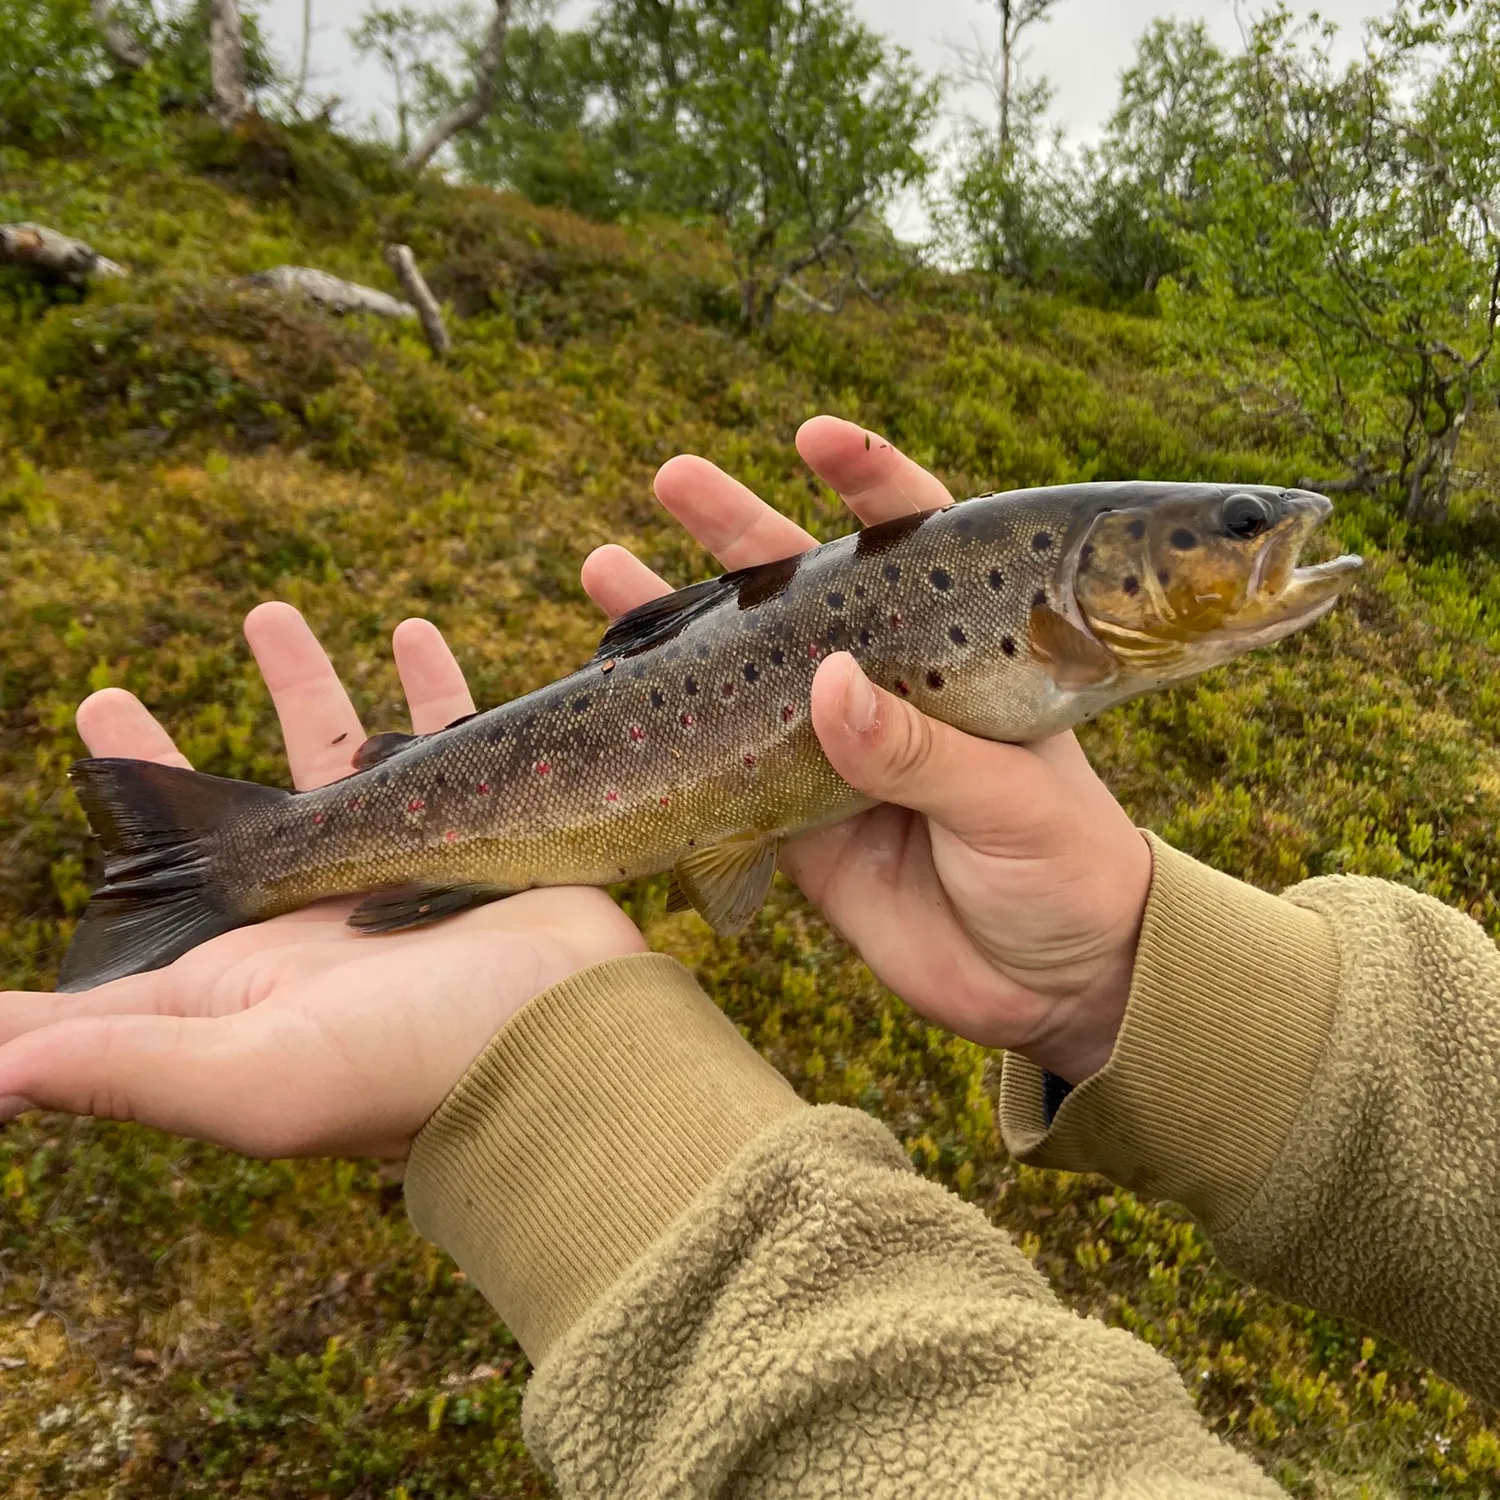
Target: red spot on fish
x=688, y=721
x=415, y=805
x=637, y=733
x=788, y=713
x=814, y=651
x=451, y=837
x=542, y=767
x=355, y=803
x=665, y=801
x=611, y=796
x=727, y=690
x=317, y=817
x=895, y=622
x=483, y=789
x=902, y=688
x=750, y=760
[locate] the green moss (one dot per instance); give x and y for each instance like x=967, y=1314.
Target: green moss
x=180, y=447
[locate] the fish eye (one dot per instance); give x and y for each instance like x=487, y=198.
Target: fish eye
x=1247, y=516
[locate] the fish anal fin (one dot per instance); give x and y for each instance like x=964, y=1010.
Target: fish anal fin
x=381, y=747
x=397, y=907
x=727, y=882
x=677, y=898
x=1073, y=658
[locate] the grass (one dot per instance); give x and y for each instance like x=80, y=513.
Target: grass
x=177, y=1322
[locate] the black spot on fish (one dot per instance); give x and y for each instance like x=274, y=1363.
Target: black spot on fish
x=1131, y=584
x=963, y=525
x=997, y=579
x=1163, y=577
x=727, y=690
x=639, y=670
x=581, y=705
x=1041, y=541
x=1183, y=539
x=703, y=653
x=957, y=636
x=836, y=633
x=673, y=652
x=859, y=591
x=383, y=779
x=768, y=581
x=1039, y=598
x=1007, y=645
x=778, y=657
x=892, y=572
x=934, y=680
x=1085, y=557
x=658, y=699
x=1136, y=529
x=864, y=637
x=874, y=540
x=751, y=671
x=942, y=580
x=690, y=685
x=835, y=600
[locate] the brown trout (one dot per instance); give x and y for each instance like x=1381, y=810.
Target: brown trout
x=686, y=744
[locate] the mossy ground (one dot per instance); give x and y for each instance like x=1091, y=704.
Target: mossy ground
x=176, y=1321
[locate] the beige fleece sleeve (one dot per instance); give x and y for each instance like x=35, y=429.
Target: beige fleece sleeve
x=1316, y=1078
x=728, y=1293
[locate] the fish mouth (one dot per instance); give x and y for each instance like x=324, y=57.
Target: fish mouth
x=1307, y=595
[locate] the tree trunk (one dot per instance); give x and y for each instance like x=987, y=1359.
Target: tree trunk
x=226, y=62
x=54, y=257
x=400, y=259
x=122, y=44
x=469, y=112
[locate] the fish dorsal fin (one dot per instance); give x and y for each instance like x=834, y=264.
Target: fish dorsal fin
x=398, y=907
x=660, y=619
x=727, y=882
x=1074, y=659
x=381, y=747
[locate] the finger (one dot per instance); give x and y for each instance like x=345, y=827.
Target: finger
x=892, y=752
x=618, y=581
x=114, y=722
x=728, y=518
x=436, y=692
x=318, y=722
x=875, y=480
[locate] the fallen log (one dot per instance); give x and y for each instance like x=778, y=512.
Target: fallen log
x=330, y=292
x=400, y=259
x=52, y=256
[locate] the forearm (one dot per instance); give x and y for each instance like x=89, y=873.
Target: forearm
x=1313, y=1077
x=728, y=1292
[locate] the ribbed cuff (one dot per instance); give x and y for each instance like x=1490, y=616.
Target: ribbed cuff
x=1230, y=1008
x=589, y=1123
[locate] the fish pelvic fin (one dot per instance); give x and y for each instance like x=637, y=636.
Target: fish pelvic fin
x=729, y=881
x=397, y=907
x=162, y=893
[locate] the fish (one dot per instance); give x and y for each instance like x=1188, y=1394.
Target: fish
x=686, y=743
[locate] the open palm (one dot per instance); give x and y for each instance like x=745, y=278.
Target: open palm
x=299, y=1036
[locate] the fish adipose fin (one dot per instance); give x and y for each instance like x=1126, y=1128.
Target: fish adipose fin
x=381, y=747
x=728, y=882
x=162, y=893
x=1074, y=659
x=401, y=906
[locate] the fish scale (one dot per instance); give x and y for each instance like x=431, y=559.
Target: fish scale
x=686, y=744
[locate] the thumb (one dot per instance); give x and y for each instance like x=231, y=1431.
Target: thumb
x=989, y=794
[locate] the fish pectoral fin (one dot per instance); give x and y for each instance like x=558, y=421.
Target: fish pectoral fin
x=677, y=898
x=1073, y=658
x=401, y=906
x=727, y=882
x=381, y=747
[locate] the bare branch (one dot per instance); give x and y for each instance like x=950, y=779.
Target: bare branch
x=336, y=295
x=469, y=112
x=400, y=259
x=300, y=85
x=52, y=256
x=119, y=40
x=226, y=62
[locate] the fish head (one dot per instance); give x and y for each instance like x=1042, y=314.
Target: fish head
x=1183, y=582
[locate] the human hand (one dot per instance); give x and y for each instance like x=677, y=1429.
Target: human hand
x=1001, y=888
x=299, y=1036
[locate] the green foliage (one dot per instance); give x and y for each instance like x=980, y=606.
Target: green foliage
x=1346, y=269
x=179, y=448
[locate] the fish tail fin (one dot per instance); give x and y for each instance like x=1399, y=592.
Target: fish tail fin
x=162, y=893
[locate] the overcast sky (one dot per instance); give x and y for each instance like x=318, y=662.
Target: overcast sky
x=1082, y=50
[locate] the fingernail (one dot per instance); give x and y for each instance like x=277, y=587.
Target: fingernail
x=860, y=705
x=12, y=1105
